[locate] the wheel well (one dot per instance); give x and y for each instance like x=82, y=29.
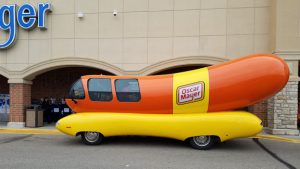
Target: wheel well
x=217, y=138
x=80, y=132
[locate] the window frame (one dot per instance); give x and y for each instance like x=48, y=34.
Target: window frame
x=112, y=95
x=140, y=96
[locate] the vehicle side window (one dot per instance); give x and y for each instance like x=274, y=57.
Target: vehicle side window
x=77, y=91
x=100, y=89
x=128, y=90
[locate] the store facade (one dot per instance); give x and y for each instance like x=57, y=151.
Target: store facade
x=54, y=39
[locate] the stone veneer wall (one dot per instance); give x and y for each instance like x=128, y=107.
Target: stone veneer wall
x=283, y=110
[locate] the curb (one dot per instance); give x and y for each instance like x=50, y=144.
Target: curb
x=30, y=131
x=276, y=138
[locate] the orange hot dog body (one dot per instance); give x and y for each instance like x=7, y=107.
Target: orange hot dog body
x=232, y=85
x=245, y=81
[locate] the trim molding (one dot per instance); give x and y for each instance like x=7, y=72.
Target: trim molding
x=180, y=61
x=23, y=81
x=288, y=55
x=29, y=73
x=42, y=67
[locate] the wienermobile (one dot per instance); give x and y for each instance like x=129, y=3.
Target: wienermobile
x=199, y=106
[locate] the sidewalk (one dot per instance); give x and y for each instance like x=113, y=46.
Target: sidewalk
x=46, y=129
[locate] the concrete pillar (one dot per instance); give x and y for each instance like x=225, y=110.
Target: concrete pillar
x=283, y=107
x=20, y=98
x=283, y=110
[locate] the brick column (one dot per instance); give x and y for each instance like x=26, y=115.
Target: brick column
x=20, y=97
x=282, y=111
x=260, y=110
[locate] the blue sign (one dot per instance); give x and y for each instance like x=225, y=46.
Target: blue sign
x=26, y=16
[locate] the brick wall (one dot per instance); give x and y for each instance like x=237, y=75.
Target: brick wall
x=20, y=97
x=260, y=110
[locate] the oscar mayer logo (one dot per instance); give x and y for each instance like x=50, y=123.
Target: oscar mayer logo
x=190, y=93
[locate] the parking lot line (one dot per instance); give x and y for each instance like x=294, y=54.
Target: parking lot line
x=276, y=138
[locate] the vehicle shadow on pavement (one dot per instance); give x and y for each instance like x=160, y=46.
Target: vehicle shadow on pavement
x=140, y=141
x=143, y=141
x=130, y=141
x=235, y=144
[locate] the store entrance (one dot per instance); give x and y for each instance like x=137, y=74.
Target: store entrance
x=51, y=88
x=4, y=100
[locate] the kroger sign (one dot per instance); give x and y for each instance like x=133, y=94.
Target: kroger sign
x=25, y=16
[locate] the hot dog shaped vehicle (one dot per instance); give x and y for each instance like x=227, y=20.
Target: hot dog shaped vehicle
x=191, y=105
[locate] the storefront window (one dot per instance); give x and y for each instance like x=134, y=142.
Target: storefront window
x=100, y=89
x=77, y=91
x=128, y=90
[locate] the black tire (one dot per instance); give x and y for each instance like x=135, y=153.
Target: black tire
x=202, y=142
x=91, y=138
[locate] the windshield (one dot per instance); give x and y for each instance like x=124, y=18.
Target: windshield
x=77, y=91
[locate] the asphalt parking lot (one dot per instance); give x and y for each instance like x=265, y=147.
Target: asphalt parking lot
x=61, y=151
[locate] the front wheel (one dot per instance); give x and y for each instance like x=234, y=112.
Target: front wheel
x=202, y=142
x=91, y=138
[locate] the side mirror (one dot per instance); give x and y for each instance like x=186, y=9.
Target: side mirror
x=74, y=101
x=72, y=96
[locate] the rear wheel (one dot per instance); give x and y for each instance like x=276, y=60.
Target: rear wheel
x=202, y=142
x=91, y=138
